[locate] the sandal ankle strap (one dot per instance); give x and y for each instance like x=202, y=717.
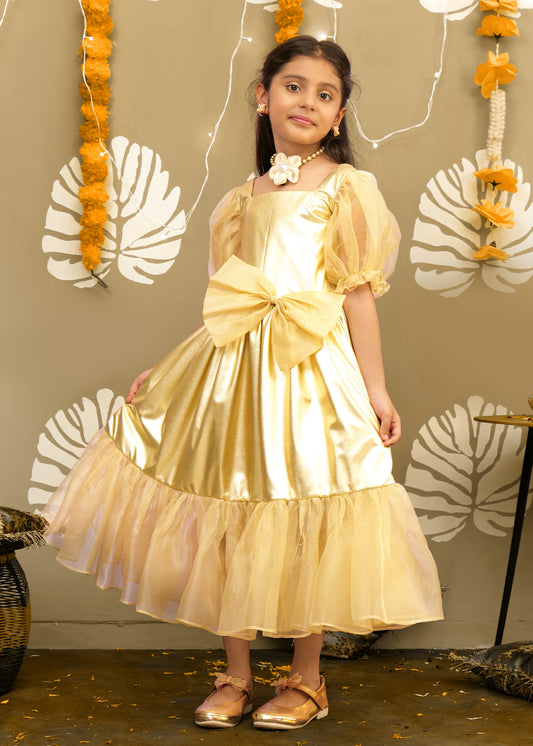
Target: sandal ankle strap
x=294, y=681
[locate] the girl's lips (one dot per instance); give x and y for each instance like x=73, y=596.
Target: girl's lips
x=302, y=120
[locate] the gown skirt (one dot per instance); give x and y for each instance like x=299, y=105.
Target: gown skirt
x=237, y=495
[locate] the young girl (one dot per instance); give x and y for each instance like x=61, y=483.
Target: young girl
x=246, y=484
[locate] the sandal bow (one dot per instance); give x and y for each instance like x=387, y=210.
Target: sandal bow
x=291, y=682
x=222, y=679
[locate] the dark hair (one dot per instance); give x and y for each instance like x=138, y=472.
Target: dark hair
x=337, y=148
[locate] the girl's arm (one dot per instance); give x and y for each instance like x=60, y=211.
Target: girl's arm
x=361, y=314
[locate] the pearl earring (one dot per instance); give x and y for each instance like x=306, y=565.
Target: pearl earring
x=261, y=109
x=336, y=130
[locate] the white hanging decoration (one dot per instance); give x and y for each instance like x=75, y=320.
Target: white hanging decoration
x=64, y=439
x=144, y=225
x=459, y=9
x=465, y=473
x=456, y=9
x=496, y=126
x=447, y=233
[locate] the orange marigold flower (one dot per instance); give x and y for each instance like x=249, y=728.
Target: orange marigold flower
x=91, y=131
x=93, y=216
x=495, y=214
x=101, y=6
x=503, y=6
x=287, y=32
x=490, y=252
x=500, y=178
x=93, y=195
x=497, y=26
x=90, y=255
x=497, y=69
x=98, y=46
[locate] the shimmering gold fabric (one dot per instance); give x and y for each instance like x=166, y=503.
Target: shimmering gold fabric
x=236, y=494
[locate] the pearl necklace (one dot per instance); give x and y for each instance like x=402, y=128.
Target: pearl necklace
x=287, y=168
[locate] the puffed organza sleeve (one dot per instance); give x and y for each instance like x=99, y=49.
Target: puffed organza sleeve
x=225, y=230
x=362, y=236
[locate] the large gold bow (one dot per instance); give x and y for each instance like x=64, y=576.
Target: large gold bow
x=240, y=295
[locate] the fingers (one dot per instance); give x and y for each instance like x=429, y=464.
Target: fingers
x=391, y=430
x=385, y=427
x=135, y=386
x=131, y=393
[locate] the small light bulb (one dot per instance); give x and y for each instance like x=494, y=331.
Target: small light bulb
x=321, y=36
x=375, y=145
x=437, y=75
x=210, y=134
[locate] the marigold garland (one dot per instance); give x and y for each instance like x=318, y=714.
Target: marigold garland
x=95, y=130
x=489, y=76
x=289, y=18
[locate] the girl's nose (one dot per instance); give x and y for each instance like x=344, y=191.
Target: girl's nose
x=307, y=100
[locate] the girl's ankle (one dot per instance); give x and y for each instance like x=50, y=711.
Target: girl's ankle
x=239, y=673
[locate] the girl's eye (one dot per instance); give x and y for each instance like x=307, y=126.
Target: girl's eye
x=325, y=96
x=293, y=87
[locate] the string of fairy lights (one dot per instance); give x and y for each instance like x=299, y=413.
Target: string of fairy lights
x=4, y=13
x=243, y=37
x=436, y=78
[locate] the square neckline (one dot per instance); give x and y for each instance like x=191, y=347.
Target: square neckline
x=295, y=191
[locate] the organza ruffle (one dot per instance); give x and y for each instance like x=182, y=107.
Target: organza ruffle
x=354, y=562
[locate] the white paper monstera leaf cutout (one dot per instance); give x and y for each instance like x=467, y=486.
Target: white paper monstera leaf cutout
x=463, y=472
x=459, y=9
x=64, y=439
x=144, y=225
x=447, y=232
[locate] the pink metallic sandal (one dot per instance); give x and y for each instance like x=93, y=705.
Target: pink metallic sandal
x=225, y=714
x=272, y=716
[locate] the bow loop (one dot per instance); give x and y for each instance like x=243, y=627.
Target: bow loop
x=240, y=295
x=291, y=682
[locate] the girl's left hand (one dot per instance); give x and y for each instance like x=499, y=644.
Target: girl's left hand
x=390, y=430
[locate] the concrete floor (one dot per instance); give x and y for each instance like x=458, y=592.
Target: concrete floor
x=131, y=697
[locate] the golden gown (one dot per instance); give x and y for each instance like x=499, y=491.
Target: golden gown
x=246, y=487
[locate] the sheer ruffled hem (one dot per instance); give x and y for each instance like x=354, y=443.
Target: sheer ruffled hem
x=378, y=284
x=354, y=562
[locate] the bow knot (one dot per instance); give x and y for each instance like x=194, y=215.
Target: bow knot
x=291, y=682
x=240, y=295
x=222, y=679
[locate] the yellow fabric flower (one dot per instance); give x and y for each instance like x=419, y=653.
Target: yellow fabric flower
x=497, y=26
x=500, y=178
x=490, y=252
x=498, y=69
x=495, y=214
x=502, y=6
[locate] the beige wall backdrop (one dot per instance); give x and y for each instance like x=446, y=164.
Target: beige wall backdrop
x=456, y=334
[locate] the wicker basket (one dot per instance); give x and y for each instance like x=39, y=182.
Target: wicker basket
x=15, y=619
x=18, y=529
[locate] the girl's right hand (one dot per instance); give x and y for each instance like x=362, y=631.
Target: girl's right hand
x=390, y=428
x=136, y=385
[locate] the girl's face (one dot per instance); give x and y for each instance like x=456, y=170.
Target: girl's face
x=303, y=103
